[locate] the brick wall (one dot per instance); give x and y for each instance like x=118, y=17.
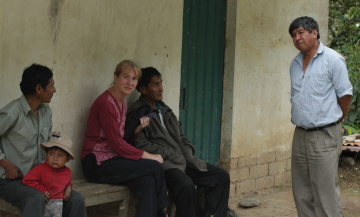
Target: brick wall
x=255, y=173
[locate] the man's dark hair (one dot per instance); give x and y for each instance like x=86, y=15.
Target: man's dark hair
x=147, y=74
x=34, y=75
x=307, y=23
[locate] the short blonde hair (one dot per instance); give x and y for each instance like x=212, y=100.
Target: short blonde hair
x=126, y=64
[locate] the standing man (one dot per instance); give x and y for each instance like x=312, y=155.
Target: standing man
x=321, y=96
x=24, y=124
x=182, y=170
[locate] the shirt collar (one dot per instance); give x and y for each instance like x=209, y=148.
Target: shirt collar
x=25, y=105
x=320, y=49
x=300, y=57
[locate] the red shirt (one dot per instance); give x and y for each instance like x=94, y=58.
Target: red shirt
x=105, y=131
x=45, y=178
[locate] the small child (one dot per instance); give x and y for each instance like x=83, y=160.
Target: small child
x=52, y=177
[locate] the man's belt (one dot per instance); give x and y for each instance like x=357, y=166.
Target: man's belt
x=322, y=127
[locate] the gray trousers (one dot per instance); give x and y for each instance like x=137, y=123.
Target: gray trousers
x=32, y=201
x=315, y=158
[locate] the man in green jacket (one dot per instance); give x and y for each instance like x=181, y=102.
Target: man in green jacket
x=182, y=170
x=24, y=124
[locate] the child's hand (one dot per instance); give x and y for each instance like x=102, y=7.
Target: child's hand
x=67, y=193
x=47, y=196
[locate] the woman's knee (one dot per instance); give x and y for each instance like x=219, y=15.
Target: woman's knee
x=146, y=182
x=155, y=165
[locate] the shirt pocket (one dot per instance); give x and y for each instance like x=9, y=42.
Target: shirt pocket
x=318, y=84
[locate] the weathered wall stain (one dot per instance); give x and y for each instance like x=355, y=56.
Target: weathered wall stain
x=55, y=17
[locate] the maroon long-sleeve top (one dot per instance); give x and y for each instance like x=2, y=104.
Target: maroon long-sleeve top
x=105, y=131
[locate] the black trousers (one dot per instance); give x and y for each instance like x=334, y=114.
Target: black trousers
x=215, y=183
x=144, y=177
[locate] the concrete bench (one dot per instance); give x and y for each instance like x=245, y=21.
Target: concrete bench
x=94, y=194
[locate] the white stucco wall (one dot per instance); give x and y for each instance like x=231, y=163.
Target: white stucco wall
x=82, y=41
x=259, y=101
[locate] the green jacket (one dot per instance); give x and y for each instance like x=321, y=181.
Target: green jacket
x=170, y=143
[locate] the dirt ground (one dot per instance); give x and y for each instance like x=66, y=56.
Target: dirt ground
x=279, y=202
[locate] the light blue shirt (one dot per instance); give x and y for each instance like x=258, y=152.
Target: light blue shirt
x=21, y=133
x=314, y=94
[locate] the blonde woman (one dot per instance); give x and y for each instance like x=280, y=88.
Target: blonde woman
x=108, y=158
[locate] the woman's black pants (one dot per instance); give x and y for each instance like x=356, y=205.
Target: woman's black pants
x=144, y=177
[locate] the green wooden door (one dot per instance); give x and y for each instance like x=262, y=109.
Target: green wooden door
x=202, y=72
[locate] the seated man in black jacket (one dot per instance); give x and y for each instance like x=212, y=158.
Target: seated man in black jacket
x=182, y=170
